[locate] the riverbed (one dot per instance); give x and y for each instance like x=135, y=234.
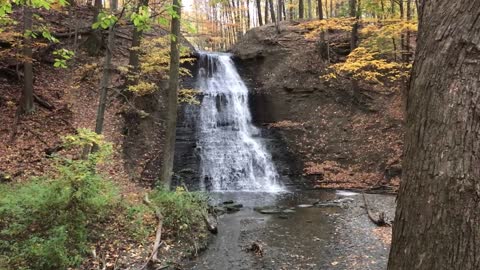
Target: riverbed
x=317, y=230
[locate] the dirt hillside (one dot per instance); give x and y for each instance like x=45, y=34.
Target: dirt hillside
x=343, y=138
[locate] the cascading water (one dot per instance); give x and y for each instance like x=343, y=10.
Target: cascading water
x=232, y=156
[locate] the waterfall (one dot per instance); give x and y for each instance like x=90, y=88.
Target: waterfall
x=232, y=156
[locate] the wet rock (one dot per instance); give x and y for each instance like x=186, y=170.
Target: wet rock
x=268, y=210
x=342, y=202
x=233, y=207
x=305, y=205
x=288, y=211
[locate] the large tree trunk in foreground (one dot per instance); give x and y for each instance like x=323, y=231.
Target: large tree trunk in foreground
x=26, y=101
x=169, y=148
x=438, y=213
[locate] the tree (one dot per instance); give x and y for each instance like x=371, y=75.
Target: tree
x=300, y=9
x=272, y=10
x=438, y=211
x=354, y=12
x=266, y=11
x=26, y=101
x=320, y=10
x=259, y=11
x=309, y=7
x=172, y=96
x=137, y=33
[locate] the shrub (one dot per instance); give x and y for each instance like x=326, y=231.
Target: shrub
x=182, y=211
x=44, y=223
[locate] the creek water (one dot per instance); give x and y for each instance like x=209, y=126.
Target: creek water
x=236, y=166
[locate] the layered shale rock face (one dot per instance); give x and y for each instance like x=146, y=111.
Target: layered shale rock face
x=336, y=135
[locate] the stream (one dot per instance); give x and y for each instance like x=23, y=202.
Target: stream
x=277, y=226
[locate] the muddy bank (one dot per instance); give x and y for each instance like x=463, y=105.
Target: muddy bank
x=342, y=138
x=333, y=236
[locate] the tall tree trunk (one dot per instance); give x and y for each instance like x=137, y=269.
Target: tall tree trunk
x=105, y=82
x=354, y=12
x=320, y=10
x=402, y=35
x=272, y=10
x=114, y=4
x=438, y=212
x=290, y=9
x=331, y=9
x=392, y=2
x=300, y=9
x=97, y=6
x=169, y=148
x=407, y=42
x=95, y=40
x=133, y=60
x=248, y=15
x=279, y=10
x=266, y=11
x=382, y=6
x=26, y=101
x=259, y=11
x=309, y=7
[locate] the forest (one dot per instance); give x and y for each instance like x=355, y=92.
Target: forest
x=239, y=134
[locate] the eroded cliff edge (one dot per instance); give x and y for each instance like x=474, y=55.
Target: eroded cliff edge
x=343, y=137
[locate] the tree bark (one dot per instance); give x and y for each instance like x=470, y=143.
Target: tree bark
x=354, y=12
x=266, y=11
x=438, y=213
x=290, y=10
x=300, y=9
x=169, y=148
x=272, y=11
x=259, y=12
x=104, y=84
x=133, y=60
x=248, y=14
x=309, y=7
x=320, y=10
x=97, y=6
x=26, y=101
x=407, y=41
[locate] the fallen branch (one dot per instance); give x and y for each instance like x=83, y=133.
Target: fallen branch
x=152, y=259
x=43, y=102
x=380, y=221
x=211, y=223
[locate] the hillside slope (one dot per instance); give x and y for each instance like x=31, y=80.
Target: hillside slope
x=344, y=138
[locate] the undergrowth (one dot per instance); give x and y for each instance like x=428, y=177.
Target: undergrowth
x=53, y=221
x=44, y=224
x=183, y=212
